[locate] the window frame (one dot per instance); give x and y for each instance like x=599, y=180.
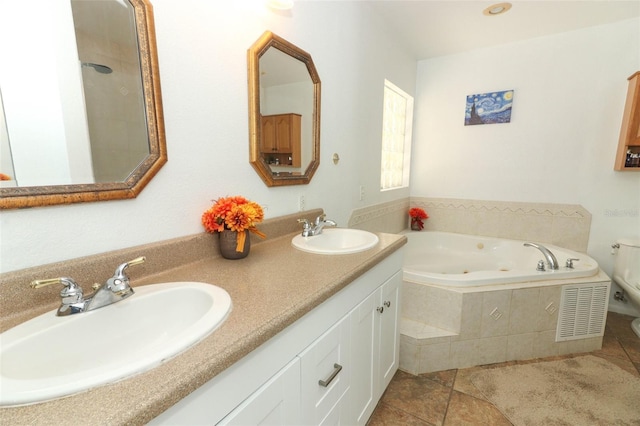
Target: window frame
x=408, y=127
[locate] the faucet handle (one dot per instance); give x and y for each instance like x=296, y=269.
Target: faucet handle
x=71, y=293
x=305, y=223
x=306, y=227
x=119, y=282
x=569, y=262
x=320, y=218
x=120, y=269
x=67, y=282
x=136, y=261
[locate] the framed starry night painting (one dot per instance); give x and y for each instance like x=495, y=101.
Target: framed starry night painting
x=488, y=108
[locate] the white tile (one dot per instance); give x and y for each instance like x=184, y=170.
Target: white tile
x=408, y=357
x=423, y=334
x=524, y=311
x=496, y=306
x=413, y=301
x=465, y=353
x=443, y=309
x=592, y=344
x=545, y=344
x=520, y=346
x=435, y=358
x=548, y=308
x=492, y=350
x=471, y=321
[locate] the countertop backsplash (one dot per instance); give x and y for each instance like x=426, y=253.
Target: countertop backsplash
x=19, y=302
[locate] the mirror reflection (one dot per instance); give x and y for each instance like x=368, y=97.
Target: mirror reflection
x=284, y=116
x=286, y=108
x=6, y=162
x=108, y=52
x=84, y=123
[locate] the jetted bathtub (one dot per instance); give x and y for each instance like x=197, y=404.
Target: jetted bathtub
x=460, y=260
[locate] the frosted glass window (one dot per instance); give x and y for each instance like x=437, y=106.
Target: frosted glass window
x=397, y=120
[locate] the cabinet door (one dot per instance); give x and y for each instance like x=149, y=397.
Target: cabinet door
x=324, y=368
x=389, y=331
x=283, y=132
x=268, y=139
x=364, y=352
x=374, y=348
x=277, y=402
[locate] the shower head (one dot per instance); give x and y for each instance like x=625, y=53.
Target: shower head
x=102, y=69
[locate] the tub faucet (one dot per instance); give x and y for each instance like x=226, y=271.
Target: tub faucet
x=552, y=262
x=113, y=290
x=309, y=229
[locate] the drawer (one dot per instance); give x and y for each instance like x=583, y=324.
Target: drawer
x=325, y=372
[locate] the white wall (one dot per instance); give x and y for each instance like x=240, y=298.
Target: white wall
x=203, y=71
x=561, y=143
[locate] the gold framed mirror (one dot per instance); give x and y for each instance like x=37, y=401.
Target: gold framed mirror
x=129, y=88
x=284, y=112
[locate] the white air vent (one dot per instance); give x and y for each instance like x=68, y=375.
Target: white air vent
x=583, y=311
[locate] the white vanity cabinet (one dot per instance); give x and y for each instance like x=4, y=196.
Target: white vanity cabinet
x=350, y=342
x=389, y=331
x=375, y=343
x=277, y=402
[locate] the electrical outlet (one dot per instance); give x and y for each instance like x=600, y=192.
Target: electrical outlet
x=361, y=192
x=301, y=203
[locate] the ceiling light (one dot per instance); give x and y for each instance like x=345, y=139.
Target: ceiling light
x=280, y=4
x=497, y=9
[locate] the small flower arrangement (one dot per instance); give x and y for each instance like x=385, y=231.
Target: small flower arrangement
x=235, y=214
x=417, y=216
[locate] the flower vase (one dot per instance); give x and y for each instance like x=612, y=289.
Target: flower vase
x=229, y=242
x=415, y=225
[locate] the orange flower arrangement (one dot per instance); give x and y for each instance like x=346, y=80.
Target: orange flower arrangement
x=235, y=214
x=417, y=216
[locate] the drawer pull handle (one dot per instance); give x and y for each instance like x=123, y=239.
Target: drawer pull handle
x=387, y=303
x=380, y=309
x=337, y=369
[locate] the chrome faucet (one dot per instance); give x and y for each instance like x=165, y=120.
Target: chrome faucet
x=309, y=229
x=113, y=290
x=552, y=262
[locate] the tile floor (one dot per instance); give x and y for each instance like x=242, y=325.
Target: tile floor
x=448, y=398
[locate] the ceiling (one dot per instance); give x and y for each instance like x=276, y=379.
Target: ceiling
x=431, y=28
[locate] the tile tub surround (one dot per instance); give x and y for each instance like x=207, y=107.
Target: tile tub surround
x=444, y=328
x=389, y=217
x=270, y=289
x=563, y=225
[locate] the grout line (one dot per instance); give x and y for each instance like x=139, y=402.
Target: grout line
x=446, y=409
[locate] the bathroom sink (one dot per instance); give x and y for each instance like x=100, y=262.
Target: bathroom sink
x=51, y=356
x=336, y=241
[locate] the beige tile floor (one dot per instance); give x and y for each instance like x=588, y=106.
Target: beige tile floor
x=448, y=398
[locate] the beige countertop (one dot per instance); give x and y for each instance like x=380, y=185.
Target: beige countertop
x=270, y=289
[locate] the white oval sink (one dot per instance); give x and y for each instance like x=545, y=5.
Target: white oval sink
x=336, y=241
x=49, y=356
